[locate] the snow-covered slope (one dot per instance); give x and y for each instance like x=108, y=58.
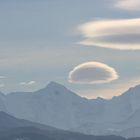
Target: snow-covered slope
x=121, y=116
x=59, y=107
x=54, y=105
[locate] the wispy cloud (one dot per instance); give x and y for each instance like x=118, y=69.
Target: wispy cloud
x=30, y=83
x=3, y=77
x=132, y=5
x=120, y=34
x=92, y=73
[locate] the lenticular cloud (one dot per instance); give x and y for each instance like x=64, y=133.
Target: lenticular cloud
x=92, y=73
x=123, y=34
x=131, y=5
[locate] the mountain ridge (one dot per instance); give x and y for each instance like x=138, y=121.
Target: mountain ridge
x=57, y=106
x=57, y=85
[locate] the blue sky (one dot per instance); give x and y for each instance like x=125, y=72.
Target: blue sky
x=39, y=42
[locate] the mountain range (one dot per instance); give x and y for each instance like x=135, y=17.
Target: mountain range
x=57, y=106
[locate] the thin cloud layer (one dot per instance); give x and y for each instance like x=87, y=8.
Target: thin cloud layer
x=28, y=83
x=3, y=77
x=92, y=73
x=120, y=34
x=132, y=5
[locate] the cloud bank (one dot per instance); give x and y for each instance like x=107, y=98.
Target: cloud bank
x=28, y=83
x=123, y=34
x=132, y=5
x=92, y=73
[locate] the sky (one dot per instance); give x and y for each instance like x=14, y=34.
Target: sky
x=92, y=47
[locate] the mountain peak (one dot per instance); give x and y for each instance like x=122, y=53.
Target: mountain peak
x=133, y=91
x=55, y=85
x=55, y=88
x=136, y=87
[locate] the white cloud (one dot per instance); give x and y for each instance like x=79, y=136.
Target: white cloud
x=30, y=83
x=92, y=73
x=120, y=34
x=133, y=5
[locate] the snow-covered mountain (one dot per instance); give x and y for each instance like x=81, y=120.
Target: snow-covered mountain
x=59, y=107
x=54, y=105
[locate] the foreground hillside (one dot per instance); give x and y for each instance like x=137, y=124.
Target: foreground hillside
x=30, y=133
